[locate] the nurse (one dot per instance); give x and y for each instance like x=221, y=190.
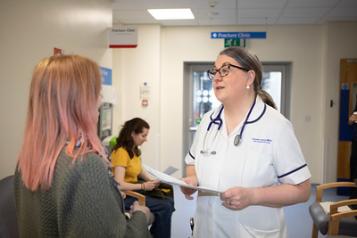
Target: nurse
x=247, y=150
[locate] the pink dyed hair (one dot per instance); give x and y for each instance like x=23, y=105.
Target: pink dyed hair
x=62, y=109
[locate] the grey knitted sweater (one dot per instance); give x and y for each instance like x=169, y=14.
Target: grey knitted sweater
x=83, y=201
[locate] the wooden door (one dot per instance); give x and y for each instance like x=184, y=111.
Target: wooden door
x=348, y=95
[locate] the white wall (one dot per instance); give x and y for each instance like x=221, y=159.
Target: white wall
x=308, y=48
x=28, y=32
x=131, y=68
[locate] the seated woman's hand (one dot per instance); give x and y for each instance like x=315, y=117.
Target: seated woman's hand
x=149, y=185
x=156, y=182
x=136, y=207
x=191, y=180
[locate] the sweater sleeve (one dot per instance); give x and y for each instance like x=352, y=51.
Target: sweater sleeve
x=89, y=205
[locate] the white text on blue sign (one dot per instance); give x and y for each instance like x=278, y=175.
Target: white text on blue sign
x=239, y=35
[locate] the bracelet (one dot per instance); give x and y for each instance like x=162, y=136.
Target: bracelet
x=143, y=186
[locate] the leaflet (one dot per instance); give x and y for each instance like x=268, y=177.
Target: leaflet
x=170, y=170
x=172, y=180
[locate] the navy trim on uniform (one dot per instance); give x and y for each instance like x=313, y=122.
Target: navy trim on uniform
x=189, y=153
x=293, y=171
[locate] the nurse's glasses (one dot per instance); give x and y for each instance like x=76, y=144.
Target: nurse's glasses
x=224, y=70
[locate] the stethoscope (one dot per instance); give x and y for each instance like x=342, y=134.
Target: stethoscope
x=219, y=122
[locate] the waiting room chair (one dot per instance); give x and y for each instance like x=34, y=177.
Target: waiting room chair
x=8, y=222
x=333, y=218
x=142, y=201
x=140, y=197
x=164, y=190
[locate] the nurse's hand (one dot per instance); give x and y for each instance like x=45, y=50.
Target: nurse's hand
x=237, y=198
x=191, y=180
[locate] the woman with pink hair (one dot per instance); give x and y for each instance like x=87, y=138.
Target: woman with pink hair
x=63, y=183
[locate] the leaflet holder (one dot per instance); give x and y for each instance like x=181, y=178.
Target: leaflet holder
x=105, y=121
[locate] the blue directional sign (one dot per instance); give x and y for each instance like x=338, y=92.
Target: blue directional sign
x=239, y=35
x=106, y=75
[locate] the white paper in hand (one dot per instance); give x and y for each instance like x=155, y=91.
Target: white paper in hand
x=171, y=180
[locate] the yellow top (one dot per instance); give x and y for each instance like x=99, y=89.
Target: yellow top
x=120, y=157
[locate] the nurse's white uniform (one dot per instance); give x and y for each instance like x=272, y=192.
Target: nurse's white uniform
x=268, y=154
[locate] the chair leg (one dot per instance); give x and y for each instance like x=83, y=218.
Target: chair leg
x=314, y=232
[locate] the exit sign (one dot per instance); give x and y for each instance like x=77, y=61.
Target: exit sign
x=234, y=42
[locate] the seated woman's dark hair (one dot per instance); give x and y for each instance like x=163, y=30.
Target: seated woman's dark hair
x=125, y=139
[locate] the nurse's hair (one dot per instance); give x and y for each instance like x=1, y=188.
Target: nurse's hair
x=62, y=113
x=250, y=62
x=125, y=139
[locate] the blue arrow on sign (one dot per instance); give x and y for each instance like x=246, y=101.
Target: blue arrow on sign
x=239, y=35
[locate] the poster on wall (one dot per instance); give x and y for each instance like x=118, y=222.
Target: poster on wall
x=109, y=94
x=106, y=76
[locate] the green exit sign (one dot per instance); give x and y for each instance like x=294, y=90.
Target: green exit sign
x=234, y=42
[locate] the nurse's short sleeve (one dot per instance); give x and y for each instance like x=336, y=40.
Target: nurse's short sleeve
x=289, y=161
x=120, y=157
x=191, y=154
x=190, y=158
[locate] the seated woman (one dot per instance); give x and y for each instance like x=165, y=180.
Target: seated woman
x=128, y=171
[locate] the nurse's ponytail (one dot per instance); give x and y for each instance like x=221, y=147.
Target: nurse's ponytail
x=267, y=99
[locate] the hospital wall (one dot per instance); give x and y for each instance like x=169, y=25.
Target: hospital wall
x=313, y=50
x=28, y=32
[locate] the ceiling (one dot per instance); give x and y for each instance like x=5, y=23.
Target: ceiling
x=238, y=12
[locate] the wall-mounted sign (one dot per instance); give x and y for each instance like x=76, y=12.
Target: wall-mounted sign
x=239, y=35
x=123, y=37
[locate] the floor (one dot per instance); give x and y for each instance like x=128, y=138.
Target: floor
x=297, y=216
x=185, y=209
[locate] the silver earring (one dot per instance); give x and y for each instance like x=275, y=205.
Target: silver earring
x=247, y=87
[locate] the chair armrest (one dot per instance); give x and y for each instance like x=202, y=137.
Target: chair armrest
x=330, y=222
x=320, y=217
x=335, y=205
x=141, y=198
x=322, y=187
x=335, y=219
x=340, y=215
x=326, y=218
